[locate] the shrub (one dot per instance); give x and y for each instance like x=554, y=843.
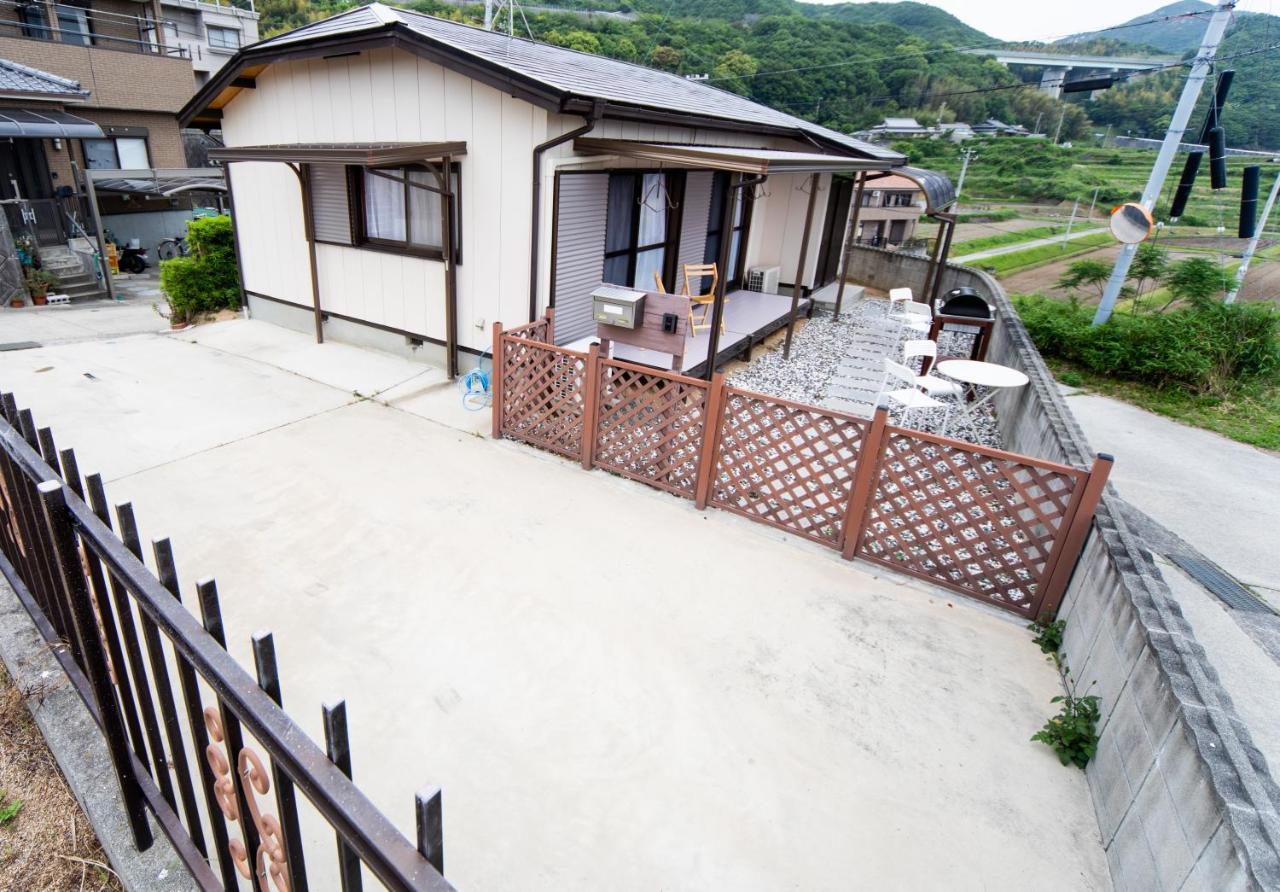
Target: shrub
x=206, y=280
x=1073, y=732
x=1209, y=348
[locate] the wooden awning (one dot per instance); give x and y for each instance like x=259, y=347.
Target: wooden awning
x=358, y=154
x=759, y=162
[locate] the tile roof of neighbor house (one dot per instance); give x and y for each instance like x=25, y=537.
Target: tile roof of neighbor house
x=567, y=71
x=17, y=80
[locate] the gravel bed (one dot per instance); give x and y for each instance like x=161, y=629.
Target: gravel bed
x=857, y=340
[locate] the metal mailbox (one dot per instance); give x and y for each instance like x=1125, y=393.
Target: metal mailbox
x=622, y=307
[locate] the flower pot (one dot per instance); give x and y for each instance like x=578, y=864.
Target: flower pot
x=39, y=299
x=17, y=302
x=178, y=324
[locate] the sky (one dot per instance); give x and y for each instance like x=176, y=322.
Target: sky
x=1042, y=20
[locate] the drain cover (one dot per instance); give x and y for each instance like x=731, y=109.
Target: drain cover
x=18, y=345
x=1212, y=577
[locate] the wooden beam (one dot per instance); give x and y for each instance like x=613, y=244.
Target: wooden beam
x=850, y=237
x=303, y=172
x=804, y=253
x=732, y=196
x=245, y=83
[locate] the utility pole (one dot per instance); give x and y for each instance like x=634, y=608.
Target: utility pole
x=964, y=168
x=1058, y=131
x=1093, y=202
x=1036, y=129
x=1070, y=223
x=488, y=15
x=1169, y=148
x=1253, y=242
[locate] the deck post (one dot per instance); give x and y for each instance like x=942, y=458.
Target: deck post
x=950, y=223
x=732, y=197
x=1077, y=530
x=850, y=237
x=933, y=259
x=855, y=515
x=591, y=406
x=712, y=421
x=495, y=387
x=800, y=264
x=445, y=177
x=303, y=172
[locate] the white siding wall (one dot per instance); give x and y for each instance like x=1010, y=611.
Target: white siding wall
x=393, y=96
x=777, y=225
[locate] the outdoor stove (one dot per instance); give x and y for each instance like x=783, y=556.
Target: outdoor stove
x=963, y=311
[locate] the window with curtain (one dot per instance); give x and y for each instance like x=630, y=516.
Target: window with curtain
x=401, y=209
x=116, y=153
x=73, y=23
x=715, y=226
x=641, y=228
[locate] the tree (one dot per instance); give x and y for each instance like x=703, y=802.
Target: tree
x=1085, y=274
x=1150, y=264
x=1196, y=280
x=735, y=70
x=576, y=39
x=666, y=58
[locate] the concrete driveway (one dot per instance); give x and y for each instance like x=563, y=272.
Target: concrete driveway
x=614, y=690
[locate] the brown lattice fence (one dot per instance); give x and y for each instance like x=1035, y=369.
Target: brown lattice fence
x=999, y=527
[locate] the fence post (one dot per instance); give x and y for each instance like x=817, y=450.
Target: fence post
x=591, y=406
x=62, y=535
x=1077, y=530
x=712, y=422
x=551, y=325
x=430, y=820
x=496, y=389
x=864, y=478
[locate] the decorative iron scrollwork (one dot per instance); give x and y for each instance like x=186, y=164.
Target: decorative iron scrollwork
x=270, y=863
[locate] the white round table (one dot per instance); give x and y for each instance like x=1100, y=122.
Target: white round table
x=980, y=374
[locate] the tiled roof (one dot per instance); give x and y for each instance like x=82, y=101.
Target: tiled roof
x=581, y=74
x=15, y=78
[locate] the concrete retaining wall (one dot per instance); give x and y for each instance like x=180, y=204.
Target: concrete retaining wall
x=1184, y=799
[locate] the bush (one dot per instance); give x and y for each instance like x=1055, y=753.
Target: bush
x=1209, y=348
x=206, y=280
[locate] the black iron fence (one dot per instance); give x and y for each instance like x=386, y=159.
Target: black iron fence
x=188, y=755
x=50, y=221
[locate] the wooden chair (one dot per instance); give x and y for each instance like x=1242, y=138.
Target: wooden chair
x=698, y=271
x=657, y=280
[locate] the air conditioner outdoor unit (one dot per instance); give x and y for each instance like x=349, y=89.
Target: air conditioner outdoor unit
x=764, y=279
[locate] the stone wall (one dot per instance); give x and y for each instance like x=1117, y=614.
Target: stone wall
x=1184, y=799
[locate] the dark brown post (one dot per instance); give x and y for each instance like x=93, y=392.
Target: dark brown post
x=303, y=173
x=711, y=424
x=933, y=259
x=61, y=528
x=495, y=387
x=850, y=238
x=800, y=264
x=1076, y=531
x=864, y=478
x=732, y=197
x=338, y=747
x=950, y=224
x=450, y=271
x=590, y=405
x=264, y=660
x=551, y=325
x=429, y=814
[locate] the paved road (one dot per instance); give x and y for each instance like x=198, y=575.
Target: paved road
x=1022, y=246
x=712, y=705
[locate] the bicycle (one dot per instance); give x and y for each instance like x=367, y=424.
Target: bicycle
x=169, y=248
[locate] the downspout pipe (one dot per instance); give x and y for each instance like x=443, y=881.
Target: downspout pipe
x=592, y=118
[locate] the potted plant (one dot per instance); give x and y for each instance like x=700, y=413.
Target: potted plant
x=17, y=301
x=39, y=281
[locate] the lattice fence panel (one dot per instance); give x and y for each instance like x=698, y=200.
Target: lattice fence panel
x=982, y=524
x=542, y=395
x=787, y=465
x=650, y=427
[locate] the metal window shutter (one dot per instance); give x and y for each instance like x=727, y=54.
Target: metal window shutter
x=694, y=220
x=330, y=204
x=582, y=203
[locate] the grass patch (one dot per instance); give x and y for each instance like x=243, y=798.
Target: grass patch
x=991, y=216
x=987, y=242
x=1016, y=261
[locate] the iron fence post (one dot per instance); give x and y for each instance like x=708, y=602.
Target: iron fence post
x=61, y=529
x=710, y=440
x=591, y=406
x=1077, y=530
x=868, y=464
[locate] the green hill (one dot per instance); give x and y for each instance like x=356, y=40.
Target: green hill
x=1175, y=36
x=922, y=20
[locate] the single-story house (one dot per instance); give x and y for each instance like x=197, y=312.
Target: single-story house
x=565, y=170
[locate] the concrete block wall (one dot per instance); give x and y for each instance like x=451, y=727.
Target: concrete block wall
x=1184, y=799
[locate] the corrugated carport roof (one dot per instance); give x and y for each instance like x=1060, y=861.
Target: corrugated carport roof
x=938, y=190
x=360, y=154
x=45, y=124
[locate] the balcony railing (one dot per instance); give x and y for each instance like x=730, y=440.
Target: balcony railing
x=78, y=26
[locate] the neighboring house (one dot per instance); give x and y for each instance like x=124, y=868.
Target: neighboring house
x=211, y=33
x=890, y=212
x=566, y=170
x=899, y=128
x=996, y=127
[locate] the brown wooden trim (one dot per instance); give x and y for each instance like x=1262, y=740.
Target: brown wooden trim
x=712, y=422
x=591, y=405
x=495, y=387
x=868, y=467
x=800, y=264
x=850, y=238
x=1057, y=576
x=555, y=248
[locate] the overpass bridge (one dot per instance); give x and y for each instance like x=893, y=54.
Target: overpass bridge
x=1057, y=67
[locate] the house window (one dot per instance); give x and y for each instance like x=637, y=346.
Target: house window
x=641, y=228
x=34, y=23
x=73, y=24
x=223, y=38
x=116, y=153
x=715, y=223
x=870, y=199
x=898, y=199
x=400, y=208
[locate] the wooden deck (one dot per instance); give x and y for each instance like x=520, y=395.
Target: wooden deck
x=749, y=317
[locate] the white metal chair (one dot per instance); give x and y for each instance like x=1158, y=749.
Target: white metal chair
x=930, y=384
x=914, y=316
x=898, y=296
x=910, y=397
